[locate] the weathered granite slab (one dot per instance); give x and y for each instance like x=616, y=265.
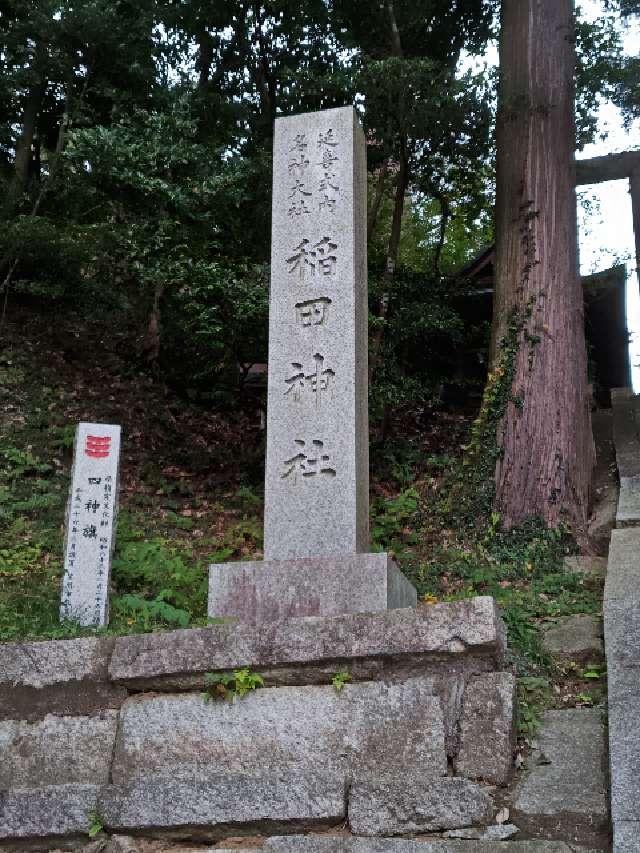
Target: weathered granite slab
x=226, y=804
x=622, y=643
x=47, y=812
x=317, y=467
x=624, y=755
x=623, y=568
x=487, y=728
x=397, y=805
x=367, y=727
x=53, y=662
x=621, y=632
x=57, y=750
x=311, y=649
x=564, y=790
x=327, y=844
x=91, y=524
x=577, y=637
x=628, y=513
x=626, y=835
x=494, y=832
x=317, y=586
x=56, y=677
x=339, y=843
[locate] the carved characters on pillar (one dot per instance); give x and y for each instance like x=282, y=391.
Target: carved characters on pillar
x=313, y=312
x=301, y=191
x=310, y=461
x=297, y=168
x=313, y=186
x=328, y=186
x=318, y=381
x=309, y=259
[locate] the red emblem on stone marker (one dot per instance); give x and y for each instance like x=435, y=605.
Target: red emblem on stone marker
x=98, y=446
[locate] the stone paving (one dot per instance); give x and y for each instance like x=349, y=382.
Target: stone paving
x=564, y=790
x=577, y=637
x=622, y=630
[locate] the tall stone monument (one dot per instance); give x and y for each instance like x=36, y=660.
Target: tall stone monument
x=91, y=525
x=316, y=526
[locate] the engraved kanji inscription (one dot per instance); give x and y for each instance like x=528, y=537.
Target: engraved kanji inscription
x=310, y=461
x=299, y=142
x=317, y=381
x=324, y=251
x=313, y=312
x=298, y=197
x=298, y=166
x=302, y=259
x=328, y=185
x=308, y=259
x=327, y=139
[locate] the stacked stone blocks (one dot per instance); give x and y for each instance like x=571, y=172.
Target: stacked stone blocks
x=119, y=728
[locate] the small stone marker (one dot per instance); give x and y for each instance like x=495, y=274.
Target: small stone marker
x=316, y=525
x=91, y=524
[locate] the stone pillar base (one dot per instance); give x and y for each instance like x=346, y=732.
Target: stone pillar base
x=315, y=586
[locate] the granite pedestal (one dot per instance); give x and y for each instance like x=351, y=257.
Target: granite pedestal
x=315, y=586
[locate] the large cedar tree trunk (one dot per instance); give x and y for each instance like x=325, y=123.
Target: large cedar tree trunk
x=547, y=460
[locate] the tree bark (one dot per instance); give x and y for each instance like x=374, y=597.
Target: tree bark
x=391, y=261
x=377, y=200
x=547, y=448
x=398, y=209
x=151, y=341
x=24, y=142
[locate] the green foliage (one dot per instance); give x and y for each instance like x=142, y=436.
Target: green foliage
x=390, y=518
x=600, y=70
x=158, y=583
x=248, y=500
x=470, y=490
x=19, y=559
x=149, y=614
x=533, y=696
x=95, y=824
x=340, y=679
x=593, y=672
x=228, y=685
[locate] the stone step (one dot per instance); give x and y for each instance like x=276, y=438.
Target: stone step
x=335, y=843
x=563, y=790
x=577, y=637
x=213, y=805
x=591, y=567
x=318, y=844
x=306, y=650
x=368, y=727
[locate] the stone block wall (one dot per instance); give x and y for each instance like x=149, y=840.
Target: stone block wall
x=118, y=730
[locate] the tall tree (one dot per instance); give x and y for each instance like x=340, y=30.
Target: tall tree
x=415, y=106
x=547, y=449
